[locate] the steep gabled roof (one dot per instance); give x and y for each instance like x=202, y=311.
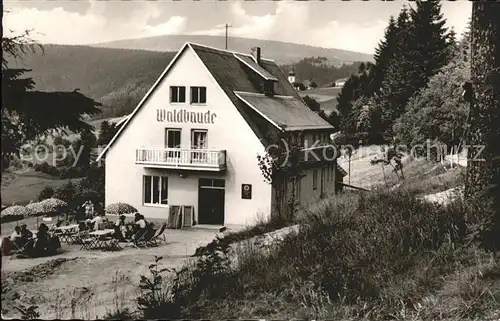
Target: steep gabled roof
x=238, y=72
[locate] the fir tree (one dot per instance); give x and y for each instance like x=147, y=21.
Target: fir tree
x=396, y=87
x=430, y=42
x=383, y=53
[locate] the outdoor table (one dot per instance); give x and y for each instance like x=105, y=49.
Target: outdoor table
x=66, y=233
x=98, y=242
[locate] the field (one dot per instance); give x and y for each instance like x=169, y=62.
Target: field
x=22, y=187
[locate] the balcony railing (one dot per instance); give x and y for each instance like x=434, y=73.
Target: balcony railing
x=180, y=158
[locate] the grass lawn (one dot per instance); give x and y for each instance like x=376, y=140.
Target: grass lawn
x=21, y=188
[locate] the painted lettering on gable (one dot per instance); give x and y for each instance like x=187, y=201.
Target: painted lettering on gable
x=185, y=116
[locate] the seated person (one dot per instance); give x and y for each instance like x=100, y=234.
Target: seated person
x=141, y=224
x=26, y=237
x=16, y=236
x=119, y=227
x=96, y=221
x=45, y=243
x=25, y=233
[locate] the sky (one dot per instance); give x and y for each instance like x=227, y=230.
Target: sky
x=350, y=25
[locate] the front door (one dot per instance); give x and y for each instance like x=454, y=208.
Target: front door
x=211, y=195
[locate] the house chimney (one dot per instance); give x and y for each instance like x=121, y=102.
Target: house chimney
x=258, y=55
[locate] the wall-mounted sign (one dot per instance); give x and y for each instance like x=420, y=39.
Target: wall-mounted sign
x=246, y=191
x=184, y=116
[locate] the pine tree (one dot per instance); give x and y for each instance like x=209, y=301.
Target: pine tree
x=483, y=176
x=383, y=54
x=396, y=87
x=430, y=41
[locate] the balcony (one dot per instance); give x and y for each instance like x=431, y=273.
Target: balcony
x=180, y=158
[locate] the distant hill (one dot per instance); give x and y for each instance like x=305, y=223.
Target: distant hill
x=119, y=78
x=282, y=52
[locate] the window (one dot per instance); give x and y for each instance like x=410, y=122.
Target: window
x=315, y=179
x=173, y=140
x=212, y=183
x=198, y=95
x=269, y=87
x=172, y=137
x=177, y=94
x=155, y=190
x=199, y=139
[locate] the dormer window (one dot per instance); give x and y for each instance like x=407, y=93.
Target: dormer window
x=269, y=89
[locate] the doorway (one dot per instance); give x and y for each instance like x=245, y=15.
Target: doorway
x=211, y=199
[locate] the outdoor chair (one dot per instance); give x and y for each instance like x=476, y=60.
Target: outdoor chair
x=88, y=242
x=16, y=249
x=157, y=237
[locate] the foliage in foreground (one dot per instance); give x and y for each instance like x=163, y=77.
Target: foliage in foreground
x=376, y=256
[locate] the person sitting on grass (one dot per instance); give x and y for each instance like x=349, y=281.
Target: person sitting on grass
x=45, y=244
x=26, y=237
x=16, y=237
x=25, y=233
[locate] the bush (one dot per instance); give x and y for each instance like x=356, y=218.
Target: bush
x=120, y=208
x=66, y=192
x=54, y=205
x=379, y=251
x=45, y=193
x=35, y=209
x=14, y=213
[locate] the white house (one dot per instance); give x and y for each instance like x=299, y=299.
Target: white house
x=194, y=138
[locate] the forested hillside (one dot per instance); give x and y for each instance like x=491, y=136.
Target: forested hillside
x=119, y=78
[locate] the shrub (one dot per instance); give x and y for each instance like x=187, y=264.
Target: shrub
x=45, y=193
x=54, y=205
x=120, y=208
x=35, y=209
x=66, y=191
x=14, y=213
x=378, y=251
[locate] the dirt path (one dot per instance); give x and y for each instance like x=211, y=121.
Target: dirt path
x=88, y=284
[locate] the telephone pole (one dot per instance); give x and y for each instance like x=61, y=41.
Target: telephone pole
x=227, y=26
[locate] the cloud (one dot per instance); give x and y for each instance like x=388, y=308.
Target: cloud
x=64, y=27
x=291, y=23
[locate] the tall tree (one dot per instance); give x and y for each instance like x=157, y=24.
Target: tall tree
x=483, y=177
x=396, y=87
x=431, y=42
x=383, y=53
x=27, y=113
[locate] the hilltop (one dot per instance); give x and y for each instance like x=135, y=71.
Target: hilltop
x=282, y=52
x=119, y=78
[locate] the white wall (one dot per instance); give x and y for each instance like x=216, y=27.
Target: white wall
x=229, y=132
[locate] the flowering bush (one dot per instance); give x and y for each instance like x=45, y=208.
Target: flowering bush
x=15, y=210
x=52, y=205
x=13, y=213
x=120, y=208
x=35, y=209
